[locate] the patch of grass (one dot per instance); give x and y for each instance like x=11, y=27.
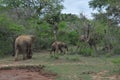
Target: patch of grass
x=67, y=67
x=54, y=57
x=116, y=65
x=71, y=72
x=73, y=58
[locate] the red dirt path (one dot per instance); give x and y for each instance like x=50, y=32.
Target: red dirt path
x=25, y=74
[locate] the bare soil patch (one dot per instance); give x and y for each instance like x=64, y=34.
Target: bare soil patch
x=101, y=76
x=25, y=73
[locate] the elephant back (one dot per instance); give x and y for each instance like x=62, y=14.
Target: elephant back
x=24, y=39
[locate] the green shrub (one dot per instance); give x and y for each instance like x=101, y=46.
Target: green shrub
x=8, y=30
x=87, y=51
x=73, y=37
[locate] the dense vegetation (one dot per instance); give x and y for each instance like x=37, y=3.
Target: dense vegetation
x=38, y=16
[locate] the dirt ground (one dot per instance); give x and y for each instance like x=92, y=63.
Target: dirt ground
x=26, y=73
x=101, y=76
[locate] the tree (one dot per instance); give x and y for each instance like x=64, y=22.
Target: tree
x=111, y=7
x=108, y=19
x=25, y=9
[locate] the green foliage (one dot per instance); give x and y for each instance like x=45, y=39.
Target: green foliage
x=69, y=18
x=111, y=7
x=55, y=56
x=98, y=3
x=7, y=23
x=44, y=36
x=87, y=52
x=62, y=25
x=116, y=61
x=73, y=37
x=107, y=21
x=8, y=31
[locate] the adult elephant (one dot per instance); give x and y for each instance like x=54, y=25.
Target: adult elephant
x=23, y=44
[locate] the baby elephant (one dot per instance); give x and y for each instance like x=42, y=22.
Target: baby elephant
x=58, y=46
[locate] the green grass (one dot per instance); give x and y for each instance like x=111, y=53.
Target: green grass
x=68, y=67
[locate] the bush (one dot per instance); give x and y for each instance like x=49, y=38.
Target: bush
x=73, y=37
x=8, y=31
x=43, y=43
x=86, y=51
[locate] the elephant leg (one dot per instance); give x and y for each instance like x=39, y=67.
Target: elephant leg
x=53, y=51
x=57, y=49
x=61, y=51
x=24, y=54
x=16, y=54
x=29, y=54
